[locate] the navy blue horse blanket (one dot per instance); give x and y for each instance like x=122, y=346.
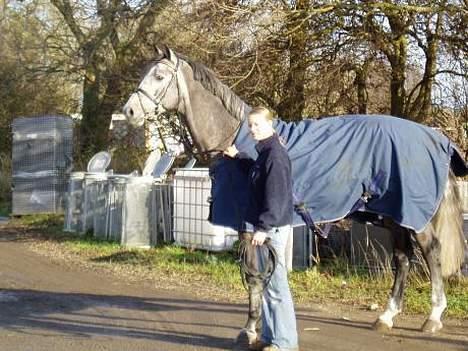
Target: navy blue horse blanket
x=400, y=168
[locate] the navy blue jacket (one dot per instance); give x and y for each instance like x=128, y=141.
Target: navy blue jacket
x=270, y=186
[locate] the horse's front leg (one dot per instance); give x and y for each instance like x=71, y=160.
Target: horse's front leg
x=255, y=290
x=255, y=307
x=402, y=252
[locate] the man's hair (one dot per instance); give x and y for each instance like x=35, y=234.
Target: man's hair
x=262, y=111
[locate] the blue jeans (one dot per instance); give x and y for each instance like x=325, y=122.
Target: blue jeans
x=278, y=317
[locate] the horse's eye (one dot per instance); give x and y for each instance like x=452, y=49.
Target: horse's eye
x=159, y=77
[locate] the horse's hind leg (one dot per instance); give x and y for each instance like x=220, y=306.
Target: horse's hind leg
x=431, y=249
x=442, y=244
x=402, y=252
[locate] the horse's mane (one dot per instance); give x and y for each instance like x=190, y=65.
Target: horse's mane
x=207, y=78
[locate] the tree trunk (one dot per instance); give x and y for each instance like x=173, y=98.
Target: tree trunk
x=361, y=86
x=94, y=123
x=292, y=103
x=420, y=108
x=397, y=85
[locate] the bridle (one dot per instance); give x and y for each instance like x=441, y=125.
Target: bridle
x=157, y=102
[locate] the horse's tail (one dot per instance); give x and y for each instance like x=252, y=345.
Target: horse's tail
x=447, y=227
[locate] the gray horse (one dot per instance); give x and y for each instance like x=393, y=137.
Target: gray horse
x=212, y=114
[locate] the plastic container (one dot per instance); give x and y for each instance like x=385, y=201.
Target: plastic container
x=192, y=188
x=95, y=193
x=137, y=212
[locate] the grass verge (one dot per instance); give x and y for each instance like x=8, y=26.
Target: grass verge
x=217, y=274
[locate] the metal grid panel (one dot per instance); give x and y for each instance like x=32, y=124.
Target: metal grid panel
x=41, y=157
x=43, y=125
x=135, y=211
x=161, y=224
x=371, y=246
x=117, y=186
x=39, y=192
x=74, y=203
x=42, y=143
x=303, y=247
x=192, y=189
x=138, y=211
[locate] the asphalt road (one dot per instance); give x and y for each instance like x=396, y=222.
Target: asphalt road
x=45, y=305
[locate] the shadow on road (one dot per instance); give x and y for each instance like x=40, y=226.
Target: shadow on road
x=88, y=315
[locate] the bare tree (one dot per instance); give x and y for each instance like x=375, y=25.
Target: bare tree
x=28, y=86
x=301, y=58
x=108, y=37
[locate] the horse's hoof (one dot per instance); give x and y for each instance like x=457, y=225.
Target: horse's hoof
x=245, y=339
x=431, y=326
x=380, y=326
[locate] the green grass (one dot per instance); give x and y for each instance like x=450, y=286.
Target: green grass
x=334, y=281
x=358, y=288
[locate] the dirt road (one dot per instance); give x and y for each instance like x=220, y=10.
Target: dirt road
x=48, y=306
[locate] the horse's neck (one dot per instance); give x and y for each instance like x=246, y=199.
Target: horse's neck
x=210, y=123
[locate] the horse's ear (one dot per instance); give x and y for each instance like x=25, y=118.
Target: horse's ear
x=163, y=52
x=158, y=54
x=171, y=56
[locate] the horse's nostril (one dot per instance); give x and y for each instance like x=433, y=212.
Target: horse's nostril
x=128, y=111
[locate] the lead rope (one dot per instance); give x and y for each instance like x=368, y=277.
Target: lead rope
x=247, y=253
x=246, y=268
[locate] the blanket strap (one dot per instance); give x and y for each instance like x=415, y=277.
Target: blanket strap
x=376, y=182
x=301, y=210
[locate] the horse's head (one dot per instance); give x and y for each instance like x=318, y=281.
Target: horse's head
x=211, y=112
x=157, y=92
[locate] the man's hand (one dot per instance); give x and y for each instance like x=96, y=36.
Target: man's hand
x=259, y=238
x=231, y=151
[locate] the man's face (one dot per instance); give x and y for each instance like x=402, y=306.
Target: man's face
x=260, y=127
